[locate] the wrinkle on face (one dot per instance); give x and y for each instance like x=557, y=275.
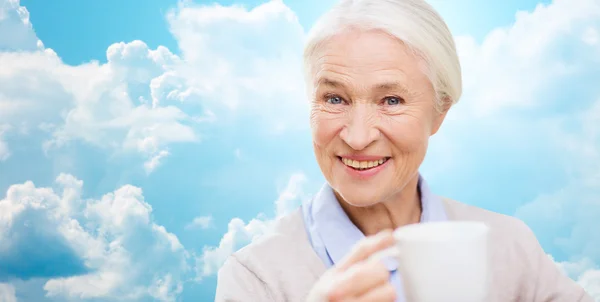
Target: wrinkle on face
x=365, y=70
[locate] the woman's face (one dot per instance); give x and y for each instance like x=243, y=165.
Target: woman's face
x=372, y=114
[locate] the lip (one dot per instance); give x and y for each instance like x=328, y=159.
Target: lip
x=363, y=157
x=364, y=174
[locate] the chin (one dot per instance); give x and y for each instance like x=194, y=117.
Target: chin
x=359, y=196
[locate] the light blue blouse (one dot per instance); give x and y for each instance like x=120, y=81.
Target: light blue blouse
x=332, y=234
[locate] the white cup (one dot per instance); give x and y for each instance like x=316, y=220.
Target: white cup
x=442, y=261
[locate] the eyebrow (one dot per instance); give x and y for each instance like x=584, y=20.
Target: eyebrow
x=391, y=86
x=386, y=86
x=329, y=82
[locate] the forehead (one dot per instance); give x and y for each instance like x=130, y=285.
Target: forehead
x=367, y=57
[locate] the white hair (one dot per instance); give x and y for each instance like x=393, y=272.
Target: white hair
x=414, y=22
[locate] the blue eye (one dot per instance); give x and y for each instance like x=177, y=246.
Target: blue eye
x=335, y=100
x=393, y=101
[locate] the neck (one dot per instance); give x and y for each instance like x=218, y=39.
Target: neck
x=401, y=209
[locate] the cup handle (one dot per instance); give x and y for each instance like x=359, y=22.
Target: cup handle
x=393, y=252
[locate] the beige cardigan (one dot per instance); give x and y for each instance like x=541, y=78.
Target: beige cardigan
x=282, y=266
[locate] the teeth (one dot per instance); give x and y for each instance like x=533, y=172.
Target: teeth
x=361, y=165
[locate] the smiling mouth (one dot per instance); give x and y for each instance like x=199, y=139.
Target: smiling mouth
x=363, y=165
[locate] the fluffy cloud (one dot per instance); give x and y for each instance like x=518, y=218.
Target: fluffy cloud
x=514, y=67
x=240, y=234
x=570, y=212
x=583, y=145
x=106, y=105
x=26, y=223
x=16, y=30
x=583, y=272
x=91, y=102
x=4, y=151
x=155, y=161
x=563, y=222
x=289, y=199
x=202, y=222
x=143, y=100
x=530, y=92
x=108, y=248
x=240, y=60
x=590, y=281
x=563, y=219
x=7, y=293
x=531, y=100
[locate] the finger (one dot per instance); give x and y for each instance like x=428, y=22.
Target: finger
x=365, y=248
x=359, y=279
x=383, y=293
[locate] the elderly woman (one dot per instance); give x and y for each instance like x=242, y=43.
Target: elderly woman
x=382, y=74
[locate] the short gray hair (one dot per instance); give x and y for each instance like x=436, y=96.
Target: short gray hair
x=414, y=22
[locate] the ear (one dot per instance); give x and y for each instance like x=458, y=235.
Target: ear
x=440, y=114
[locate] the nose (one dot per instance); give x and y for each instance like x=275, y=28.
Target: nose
x=360, y=130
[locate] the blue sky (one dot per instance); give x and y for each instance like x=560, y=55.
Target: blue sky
x=141, y=142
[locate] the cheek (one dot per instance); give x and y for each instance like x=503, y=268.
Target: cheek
x=324, y=128
x=408, y=134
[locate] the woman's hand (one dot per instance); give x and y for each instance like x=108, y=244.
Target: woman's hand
x=357, y=278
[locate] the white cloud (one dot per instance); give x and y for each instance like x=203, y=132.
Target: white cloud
x=108, y=248
x=568, y=215
x=7, y=293
x=590, y=281
x=531, y=94
x=292, y=196
x=591, y=36
x=583, y=146
x=245, y=60
x=240, y=234
x=142, y=100
x=16, y=32
x=4, y=151
x=515, y=67
x=584, y=273
x=105, y=113
x=201, y=222
x=101, y=104
x=154, y=162
x=563, y=219
x=91, y=102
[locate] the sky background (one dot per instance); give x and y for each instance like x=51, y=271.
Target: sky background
x=142, y=142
